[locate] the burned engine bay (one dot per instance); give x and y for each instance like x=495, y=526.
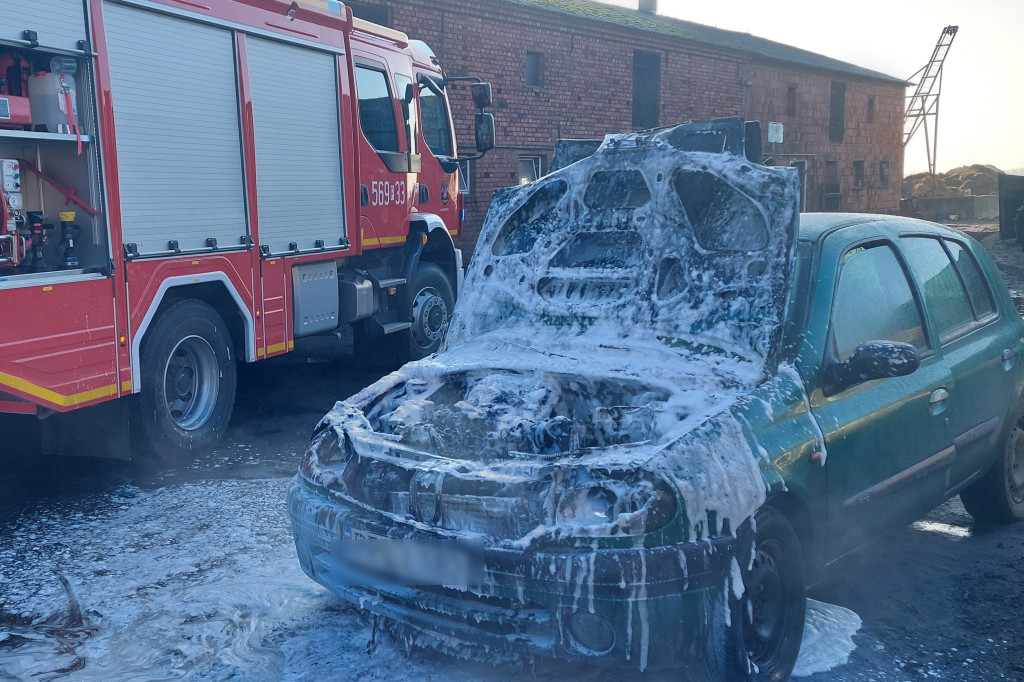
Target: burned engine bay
x=497, y=415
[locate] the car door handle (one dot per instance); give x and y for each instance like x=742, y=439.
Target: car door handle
x=1008, y=358
x=938, y=401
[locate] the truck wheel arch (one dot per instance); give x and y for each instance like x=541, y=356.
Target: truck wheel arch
x=439, y=249
x=201, y=285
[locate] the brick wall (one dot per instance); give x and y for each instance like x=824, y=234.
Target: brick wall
x=806, y=135
x=587, y=91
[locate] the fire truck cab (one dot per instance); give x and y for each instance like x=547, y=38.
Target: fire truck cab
x=187, y=184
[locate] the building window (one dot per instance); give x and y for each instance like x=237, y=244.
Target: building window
x=372, y=13
x=871, y=109
x=534, y=68
x=646, y=88
x=791, y=101
x=529, y=169
x=837, y=112
x=831, y=196
x=883, y=173
x=858, y=173
x=465, y=176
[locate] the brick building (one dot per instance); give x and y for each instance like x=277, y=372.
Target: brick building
x=580, y=69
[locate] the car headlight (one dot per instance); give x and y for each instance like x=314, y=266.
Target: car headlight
x=330, y=449
x=587, y=505
x=616, y=507
x=325, y=458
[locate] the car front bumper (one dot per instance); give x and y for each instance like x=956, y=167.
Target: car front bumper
x=640, y=608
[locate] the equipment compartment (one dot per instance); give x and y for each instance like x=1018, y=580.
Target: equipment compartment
x=51, y=223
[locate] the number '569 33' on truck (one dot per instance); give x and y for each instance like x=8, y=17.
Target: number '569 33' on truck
x=189, y=184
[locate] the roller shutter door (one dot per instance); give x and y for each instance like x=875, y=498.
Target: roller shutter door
x=298, y=152
x=179, y=152
x=60, y=24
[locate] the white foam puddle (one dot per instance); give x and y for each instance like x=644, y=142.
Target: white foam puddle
x=194, y=580
x=828, y=638
x=200, y=581
x=942, y=529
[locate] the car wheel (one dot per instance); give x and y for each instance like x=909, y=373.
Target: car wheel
x=188, y=382
x=432, y=299
x=767, y=622
x=998, y=497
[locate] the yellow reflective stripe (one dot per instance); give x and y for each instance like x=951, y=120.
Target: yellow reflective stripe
x=276, y=348
x=54, y=397
x=372, y=241
x=126, y=387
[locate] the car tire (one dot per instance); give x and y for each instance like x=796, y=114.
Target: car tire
x=431, y=299
x=998, y=497
x=766, y=625
x=188, y=383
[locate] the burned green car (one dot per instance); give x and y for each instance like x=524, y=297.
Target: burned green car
x=664, y=402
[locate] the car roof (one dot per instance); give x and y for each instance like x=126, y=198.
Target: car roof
x=815, y=226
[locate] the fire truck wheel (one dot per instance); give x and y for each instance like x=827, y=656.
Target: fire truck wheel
x=432, y=300
x=188, y=382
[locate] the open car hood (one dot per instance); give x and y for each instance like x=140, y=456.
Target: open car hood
x=670, y=236
x=613, y=314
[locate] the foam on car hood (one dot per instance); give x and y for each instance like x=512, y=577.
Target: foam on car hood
x=641, y=241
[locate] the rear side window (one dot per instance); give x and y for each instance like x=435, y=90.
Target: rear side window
x=376, y=109
x=944, y=294
x=977, y=285
x=874, y=302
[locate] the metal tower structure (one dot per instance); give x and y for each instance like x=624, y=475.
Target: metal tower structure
x=923, y=105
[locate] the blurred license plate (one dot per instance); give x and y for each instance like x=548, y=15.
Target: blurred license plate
x=408, y=561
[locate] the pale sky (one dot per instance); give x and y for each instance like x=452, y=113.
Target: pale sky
x=981, y=117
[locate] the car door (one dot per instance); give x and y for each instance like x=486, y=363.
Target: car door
x=979, y=349
x=887, y=449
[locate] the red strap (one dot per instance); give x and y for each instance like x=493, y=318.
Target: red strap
x=72, y=122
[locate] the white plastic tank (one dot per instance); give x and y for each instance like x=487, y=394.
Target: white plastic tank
x=50, y=95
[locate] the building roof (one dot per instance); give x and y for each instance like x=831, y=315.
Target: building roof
x=708, y=35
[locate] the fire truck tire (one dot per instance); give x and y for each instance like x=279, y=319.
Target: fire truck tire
x=188, y=382
x=432, y=298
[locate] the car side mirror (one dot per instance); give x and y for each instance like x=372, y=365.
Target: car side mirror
x=872, y=360
x=484, y=132
x=481, y=94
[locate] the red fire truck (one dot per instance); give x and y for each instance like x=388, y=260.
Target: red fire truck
x=191, y=183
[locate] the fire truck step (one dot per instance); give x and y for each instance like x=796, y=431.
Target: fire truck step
x=392, y=327
x=393, y=282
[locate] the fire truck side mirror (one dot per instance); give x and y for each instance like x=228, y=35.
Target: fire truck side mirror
x=484, y=132
x=481, y=95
